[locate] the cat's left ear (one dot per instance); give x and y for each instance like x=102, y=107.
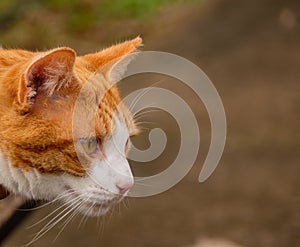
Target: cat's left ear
x=47, y=74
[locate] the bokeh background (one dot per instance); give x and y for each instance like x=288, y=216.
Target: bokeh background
x=251, y=52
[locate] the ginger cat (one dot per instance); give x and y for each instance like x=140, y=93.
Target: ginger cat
x=38, y=159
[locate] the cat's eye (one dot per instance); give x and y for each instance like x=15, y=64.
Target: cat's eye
x=89, y=145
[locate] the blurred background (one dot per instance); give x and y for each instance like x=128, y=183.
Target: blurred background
x=251, y=52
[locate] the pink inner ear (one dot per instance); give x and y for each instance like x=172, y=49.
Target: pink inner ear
x=51, y=71
x=36, y=75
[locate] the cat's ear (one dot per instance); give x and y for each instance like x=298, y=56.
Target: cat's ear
x=47, y=74
x=113, y=61
x=115, y=70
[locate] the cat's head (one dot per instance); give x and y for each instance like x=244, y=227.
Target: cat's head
x=43, y=153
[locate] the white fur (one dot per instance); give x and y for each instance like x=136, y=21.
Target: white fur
x=95, y=193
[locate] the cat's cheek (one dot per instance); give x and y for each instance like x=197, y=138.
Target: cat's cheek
x=30, y=183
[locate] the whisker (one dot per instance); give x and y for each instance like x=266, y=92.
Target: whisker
x=142, y=128
x=119, y=207
x=137, y=121
x=125, y=203
x=141, y=94
x=60, y=196
x=100, y=225
x=76, y=211
x=68, y=206
x=53, y=222
x=85, y=215
x=53, y=212
x=142, y=113
x=110, y=214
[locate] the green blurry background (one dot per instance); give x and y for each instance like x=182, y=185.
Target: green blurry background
x=36, y=24
x=251, y=51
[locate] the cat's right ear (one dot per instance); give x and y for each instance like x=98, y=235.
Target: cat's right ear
x=46, y=75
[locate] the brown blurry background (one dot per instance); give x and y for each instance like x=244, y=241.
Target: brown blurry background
x=251, y=52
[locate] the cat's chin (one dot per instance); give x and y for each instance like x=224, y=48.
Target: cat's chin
x=92, y=203
x=95, y=210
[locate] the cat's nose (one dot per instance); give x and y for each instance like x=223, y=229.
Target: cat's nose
x=124, y=186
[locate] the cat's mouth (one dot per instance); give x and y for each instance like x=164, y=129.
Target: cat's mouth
x=93, y=203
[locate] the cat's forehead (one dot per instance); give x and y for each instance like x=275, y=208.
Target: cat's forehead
x=110, y=124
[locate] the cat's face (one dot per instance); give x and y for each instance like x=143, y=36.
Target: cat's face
x=43, y=153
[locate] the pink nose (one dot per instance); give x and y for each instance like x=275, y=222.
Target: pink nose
x=124, y=186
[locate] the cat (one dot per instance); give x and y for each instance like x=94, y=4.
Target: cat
x=38, y=158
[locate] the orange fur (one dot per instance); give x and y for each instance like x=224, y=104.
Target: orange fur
x=37, y=95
